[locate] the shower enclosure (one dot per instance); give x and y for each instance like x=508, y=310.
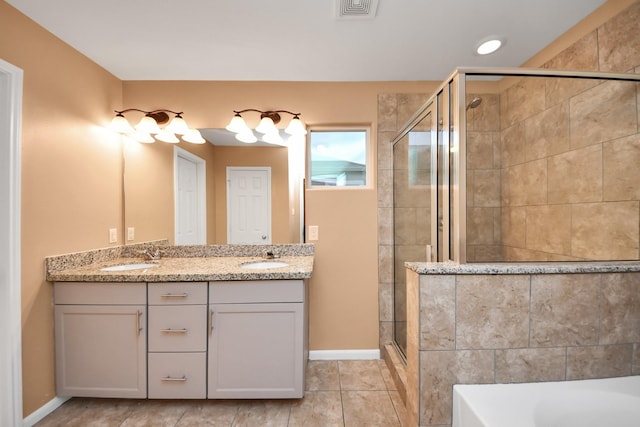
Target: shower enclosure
x=517, y=165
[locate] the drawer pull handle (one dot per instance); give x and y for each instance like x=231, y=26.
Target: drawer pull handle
x=169, y=378
x=138, y=326
x=174, y=331
x=170, y=295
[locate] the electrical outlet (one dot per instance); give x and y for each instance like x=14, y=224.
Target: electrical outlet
x=113, y=235
x=313, y=232
x=131, y=232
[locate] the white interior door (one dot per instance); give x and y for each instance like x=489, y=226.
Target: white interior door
x=249, y=205
x=10, y=281
x=190, y=198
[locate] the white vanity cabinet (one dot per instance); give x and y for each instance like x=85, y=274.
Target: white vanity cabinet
x=257, y=339
x=177, y=340
x=100, y=339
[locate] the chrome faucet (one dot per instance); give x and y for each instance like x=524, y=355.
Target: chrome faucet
x=270, y=255
x=155, y=256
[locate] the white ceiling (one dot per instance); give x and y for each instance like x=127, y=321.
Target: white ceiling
x=301, y=40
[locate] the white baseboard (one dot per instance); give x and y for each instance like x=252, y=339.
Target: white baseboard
x=43, y=411
x=344, y=354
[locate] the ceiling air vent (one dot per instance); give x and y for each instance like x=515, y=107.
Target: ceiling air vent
x=356, y=9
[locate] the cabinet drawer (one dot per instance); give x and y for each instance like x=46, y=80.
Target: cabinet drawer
x=99, y=293
x=177, y=293
x=256, y=291
x=177, y=328
x=177, y=375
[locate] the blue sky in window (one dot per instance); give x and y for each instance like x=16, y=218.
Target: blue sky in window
x=343, y=145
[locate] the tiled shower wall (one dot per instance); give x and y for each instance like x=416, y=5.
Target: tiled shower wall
x=394, y=110
x=553, y=163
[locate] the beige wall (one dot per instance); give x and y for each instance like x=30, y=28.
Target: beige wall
x=71, y=191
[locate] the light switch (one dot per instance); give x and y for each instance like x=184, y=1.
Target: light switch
x=313, y=232
x=113, y=235
x=131, y=232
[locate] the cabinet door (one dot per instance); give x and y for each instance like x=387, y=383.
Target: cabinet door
x=256, y=351
x=101, y=350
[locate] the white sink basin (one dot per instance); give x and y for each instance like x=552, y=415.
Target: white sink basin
x=127, y=267
x=257, y=265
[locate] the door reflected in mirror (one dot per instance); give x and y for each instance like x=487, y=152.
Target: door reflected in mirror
x=151, y=177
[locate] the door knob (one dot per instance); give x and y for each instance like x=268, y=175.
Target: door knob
x=264, y=237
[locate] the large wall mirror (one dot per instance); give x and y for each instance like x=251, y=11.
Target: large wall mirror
x=150, y=176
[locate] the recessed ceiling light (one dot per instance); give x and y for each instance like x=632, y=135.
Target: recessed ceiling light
x=489, y=45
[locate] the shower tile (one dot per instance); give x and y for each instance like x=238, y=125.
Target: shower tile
x=606, y=112
x=480, y=226
x=385, y=226
x=618, y=41
x=405, y=225
x=486, y=116
x=486, y=188
x=512, y=143
x=385, y=301
x=488, y=253
x=582, y=55
x=264, y=413
x=385, y=150
x=437, y=313
x=530, y=365
x=385, y=263
x=621, y=172
x=605, y=230
x=480, y=150
x=549, y=229
x=547, y=133
x=522, y=100
x=408, y=104
x=492, y=311
x=564, y=310
x=317, y=409
x=211, y=413
x=576, y=176
x=440, y=370
x=525, y=184
x=519, y=254
x=514, y=226
x=368, y=408
x=387, y=112
x=322, y=375
x=385, y=189
x=620, y=308
x=599, y=361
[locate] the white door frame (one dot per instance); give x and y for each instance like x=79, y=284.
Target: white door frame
x=10, y=284
x=261, y=168
x=201, y=167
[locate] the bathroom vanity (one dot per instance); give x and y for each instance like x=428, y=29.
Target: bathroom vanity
x=188, y=328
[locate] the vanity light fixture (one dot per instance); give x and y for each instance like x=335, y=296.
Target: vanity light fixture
x=267, y=126
x=149, y=125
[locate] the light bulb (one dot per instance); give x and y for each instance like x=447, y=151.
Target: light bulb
x=296, y=127
x=237, y=124
x=273, y=138
x=266, y=125
x=177, y=125
x=247, y=137
x=121, y=125
x=166, y=136
x=193, y=136
x=148, y=125
x=143, y=137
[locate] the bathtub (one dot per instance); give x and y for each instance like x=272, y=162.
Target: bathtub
x=606, y=402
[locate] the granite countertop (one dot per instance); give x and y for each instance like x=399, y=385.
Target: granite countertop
x=188, y=270
x=525, y=268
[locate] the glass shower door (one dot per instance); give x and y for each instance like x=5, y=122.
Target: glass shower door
x=411, y=210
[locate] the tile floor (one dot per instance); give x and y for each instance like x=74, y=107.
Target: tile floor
x=346, y=393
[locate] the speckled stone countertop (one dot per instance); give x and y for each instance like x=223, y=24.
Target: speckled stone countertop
x=181, y=264
x=524, y=268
